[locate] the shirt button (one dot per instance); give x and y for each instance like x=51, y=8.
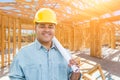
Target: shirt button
x=46, y=51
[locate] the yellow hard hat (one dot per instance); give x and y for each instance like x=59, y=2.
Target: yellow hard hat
x=45, y=15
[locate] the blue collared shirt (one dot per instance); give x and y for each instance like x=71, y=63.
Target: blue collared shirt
x=35, y=62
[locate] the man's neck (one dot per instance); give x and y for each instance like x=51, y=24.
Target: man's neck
x=47, y=45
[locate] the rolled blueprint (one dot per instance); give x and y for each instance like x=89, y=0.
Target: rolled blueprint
x=65, y=54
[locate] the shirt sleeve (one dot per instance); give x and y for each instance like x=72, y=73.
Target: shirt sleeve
x=70, y=72
x=16, y=72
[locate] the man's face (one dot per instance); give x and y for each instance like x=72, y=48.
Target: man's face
x=45, y=32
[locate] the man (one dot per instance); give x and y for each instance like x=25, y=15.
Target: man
x=41, y=60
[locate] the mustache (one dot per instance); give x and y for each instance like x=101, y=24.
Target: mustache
x=48, y=32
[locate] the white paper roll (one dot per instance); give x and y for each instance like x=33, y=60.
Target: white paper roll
x=65, y=54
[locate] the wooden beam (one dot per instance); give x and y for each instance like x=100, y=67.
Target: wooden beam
x=26, y=20
x=27, y=27
x=110, y=19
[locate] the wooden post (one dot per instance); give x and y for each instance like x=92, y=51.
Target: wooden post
x=66, y=29
x=109, y=37
x=14, y=37
x=112, y=37
x=0, y=32
x=65, y=37
x=57, y=32
x=19, y=34
x=69, y=38
x=33, y=36
x=0, y=35
x=8, y=40
x=72, y=37
x=69, y=41
x=62, y=35
x=95, y=47
x=2, y=42
x=76, y=37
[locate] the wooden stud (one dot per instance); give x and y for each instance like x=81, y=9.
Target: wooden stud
x=2, y=40
x=0, y=32
x=9, y=34
x=14, y=36
x=0, y=36
x=5, y=39
x=72, y=37
x=33, y=36
x=112, y=37
x=19, y=34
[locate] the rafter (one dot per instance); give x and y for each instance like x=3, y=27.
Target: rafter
x=69, y=10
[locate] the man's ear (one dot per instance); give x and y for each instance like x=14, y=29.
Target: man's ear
x=35, y=28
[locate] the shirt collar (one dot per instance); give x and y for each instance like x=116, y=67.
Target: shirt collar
x=39, y=45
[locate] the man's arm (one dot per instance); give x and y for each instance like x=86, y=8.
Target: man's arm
x=75, y=75
x=16, y=72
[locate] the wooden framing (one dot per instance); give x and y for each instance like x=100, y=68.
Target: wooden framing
x=88, y=68
x=84, y=10
x=69, y=31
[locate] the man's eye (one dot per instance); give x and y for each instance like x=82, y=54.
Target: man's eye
x=51, y=26
x=41, y=26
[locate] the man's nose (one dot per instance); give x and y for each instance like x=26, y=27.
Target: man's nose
x=46, y=28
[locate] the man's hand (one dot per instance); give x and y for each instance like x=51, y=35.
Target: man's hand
x=75, y=75
x=74, y=61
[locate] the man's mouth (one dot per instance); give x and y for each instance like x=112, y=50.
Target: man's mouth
x=46, y=34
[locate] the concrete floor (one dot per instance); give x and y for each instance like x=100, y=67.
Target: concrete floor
x=110, y=63
x=4, y=73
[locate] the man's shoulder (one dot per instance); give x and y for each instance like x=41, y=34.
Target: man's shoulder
x=30, y=45
x=26, y=48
